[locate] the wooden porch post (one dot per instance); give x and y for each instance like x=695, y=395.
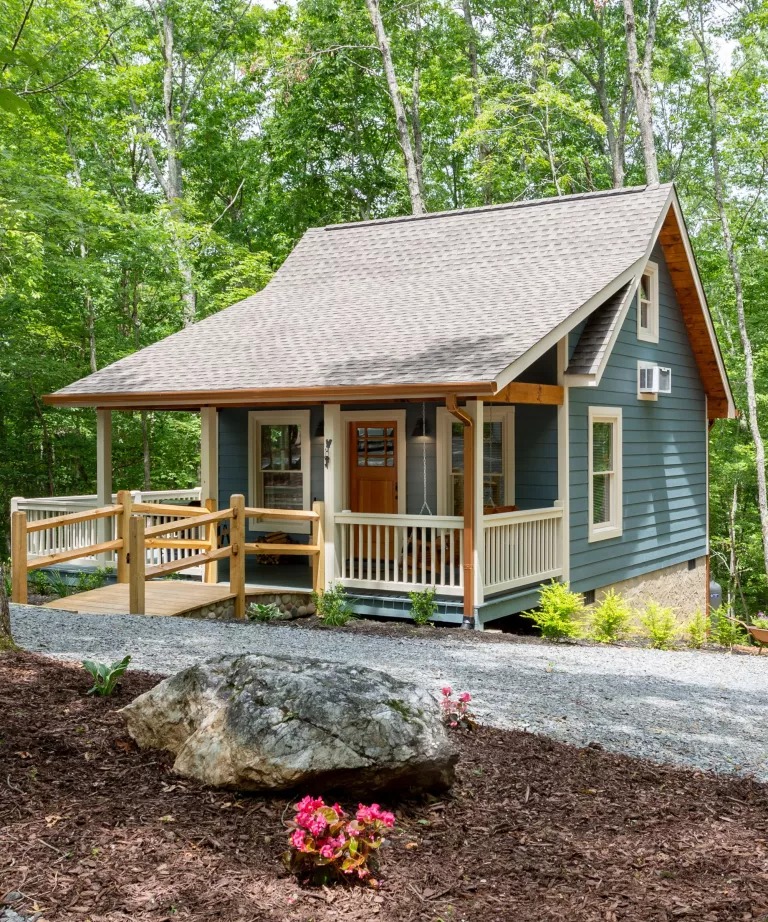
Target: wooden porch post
x=209, y=454
x=19, y=557
x=237, y=557
x=125, y=500
x=138, y=562
x=475, y=410
x=332, y=486
x=211, y=569
x=318, y=540
x=103, y=477
x=563, y=460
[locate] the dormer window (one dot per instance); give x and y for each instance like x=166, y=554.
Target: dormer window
x=648, y=305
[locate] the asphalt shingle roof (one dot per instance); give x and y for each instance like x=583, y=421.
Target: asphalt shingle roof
x=596, y=335
x=451, y=297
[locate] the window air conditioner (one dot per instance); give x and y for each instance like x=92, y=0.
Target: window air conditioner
x=653, y=379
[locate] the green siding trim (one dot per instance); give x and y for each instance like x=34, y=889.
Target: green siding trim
x=664, y=455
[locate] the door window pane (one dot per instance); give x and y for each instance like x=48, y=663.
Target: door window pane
x=375, y=446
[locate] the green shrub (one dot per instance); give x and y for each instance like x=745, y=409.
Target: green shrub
x=696, y=630
x=611, y=618
x=423, y=605
x=58, y=585
x=262, y=611
x=725, y=630
x=760, y=622
x=95, y=579
x=558, y=611
x=105, y=678
x=333, y=606
x=38, y=582
x=660, y=625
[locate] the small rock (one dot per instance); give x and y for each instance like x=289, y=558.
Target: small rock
x=13, y=896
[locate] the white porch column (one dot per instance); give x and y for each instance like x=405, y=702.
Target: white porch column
x=333, y=493
x=104, y=479
x=563, y=459
x=475, y=410
x=209, y=454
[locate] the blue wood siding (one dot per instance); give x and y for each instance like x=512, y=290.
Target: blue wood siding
x=664, y=453
x=535, y=456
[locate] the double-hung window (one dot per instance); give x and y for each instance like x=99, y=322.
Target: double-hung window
x=605, y=473
x=648, y=305
x=279, y=460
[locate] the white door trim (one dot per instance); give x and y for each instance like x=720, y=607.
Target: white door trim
x=399, y=416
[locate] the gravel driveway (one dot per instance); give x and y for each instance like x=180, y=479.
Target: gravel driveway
x=701, y=709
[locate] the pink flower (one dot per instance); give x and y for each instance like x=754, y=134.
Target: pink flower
x=309, y=804
x=465, y=697
x=317, y=826
x=338, y=810
x=446, y=690
x=297, y=838
x=454, y=724
x=327, y=851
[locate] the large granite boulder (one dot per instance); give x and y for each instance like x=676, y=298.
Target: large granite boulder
x=260, y=723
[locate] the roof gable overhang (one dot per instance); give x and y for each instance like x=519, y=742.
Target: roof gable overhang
x=672, y=233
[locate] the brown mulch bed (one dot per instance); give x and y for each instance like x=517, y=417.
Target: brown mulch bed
x=92, y=829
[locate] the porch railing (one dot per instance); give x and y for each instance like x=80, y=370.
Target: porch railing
x=85, y=533
x=400, y=552
x=522, y=548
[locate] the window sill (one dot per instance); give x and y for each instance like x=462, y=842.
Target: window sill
x=604, y=532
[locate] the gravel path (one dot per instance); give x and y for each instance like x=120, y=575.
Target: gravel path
x=701, y=709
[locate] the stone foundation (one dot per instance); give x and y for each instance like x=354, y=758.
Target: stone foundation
x=291, y=604
x=675, y=587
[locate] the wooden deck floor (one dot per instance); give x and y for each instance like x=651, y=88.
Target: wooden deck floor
x=163, y=597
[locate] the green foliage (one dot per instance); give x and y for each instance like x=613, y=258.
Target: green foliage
x=726, y=631
x=423, y=605
x=611, y=618
x=38, y=583
x=333, y=606
x=558, y=612
x=58, y=585
x=659, y=625
x=696, y=631
x=105, y=678
x=761, y=623
x=87, y=579
x=262, y=611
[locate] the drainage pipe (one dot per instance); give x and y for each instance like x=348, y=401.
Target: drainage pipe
x=468, y=423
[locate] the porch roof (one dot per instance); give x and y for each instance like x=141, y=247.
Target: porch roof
x=455, y=302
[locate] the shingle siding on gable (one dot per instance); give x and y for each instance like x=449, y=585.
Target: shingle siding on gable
x=664, y=452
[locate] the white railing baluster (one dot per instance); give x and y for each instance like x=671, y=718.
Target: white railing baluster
x=522, y=548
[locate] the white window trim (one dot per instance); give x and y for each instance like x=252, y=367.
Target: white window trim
x=256, y=419
x=491, y=413
x=399, y=416
x=651, y=335
x=640, y=395
x=614, y=528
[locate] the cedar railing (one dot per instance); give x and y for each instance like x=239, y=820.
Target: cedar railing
x=134, y=538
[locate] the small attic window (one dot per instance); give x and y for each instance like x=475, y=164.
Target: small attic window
x=648, y=305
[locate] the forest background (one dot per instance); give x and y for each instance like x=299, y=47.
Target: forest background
x=160, y=158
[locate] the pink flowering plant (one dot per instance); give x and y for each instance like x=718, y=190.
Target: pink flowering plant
x=329, y=845
x=455, y=709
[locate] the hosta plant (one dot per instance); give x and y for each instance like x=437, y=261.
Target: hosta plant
x=455, y=709
x=105, y=677
x=327, y=845
x=262, y=611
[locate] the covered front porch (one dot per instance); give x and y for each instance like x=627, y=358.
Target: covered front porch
x=464, y=495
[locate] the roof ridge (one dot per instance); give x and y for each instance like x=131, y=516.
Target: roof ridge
x=504, y=206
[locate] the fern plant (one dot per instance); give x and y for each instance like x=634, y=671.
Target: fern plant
x=611, y=618
x=558, y=612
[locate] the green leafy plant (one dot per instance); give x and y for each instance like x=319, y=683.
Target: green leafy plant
x=105, y=678
x=58, y=584
x=262, y=611
x=726, y=631
x=423, y=605
x=660, y=625
x=611, y=618
x=558, y=611
x=328, y=846
x=38, y=582
x=760, y=621
x=92, y=579
x=696, y=631
x=333, y=606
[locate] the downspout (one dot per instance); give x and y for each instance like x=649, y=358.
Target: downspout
x=468, y=621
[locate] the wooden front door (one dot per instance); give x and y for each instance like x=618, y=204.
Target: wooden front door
x=373, y=466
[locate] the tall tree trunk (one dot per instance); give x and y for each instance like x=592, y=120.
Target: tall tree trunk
x=418, y=141
x=477, y=101
x=6, y=636
x=738, y=288
x=640, y=74
x=147, y=463
x=401, y=123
